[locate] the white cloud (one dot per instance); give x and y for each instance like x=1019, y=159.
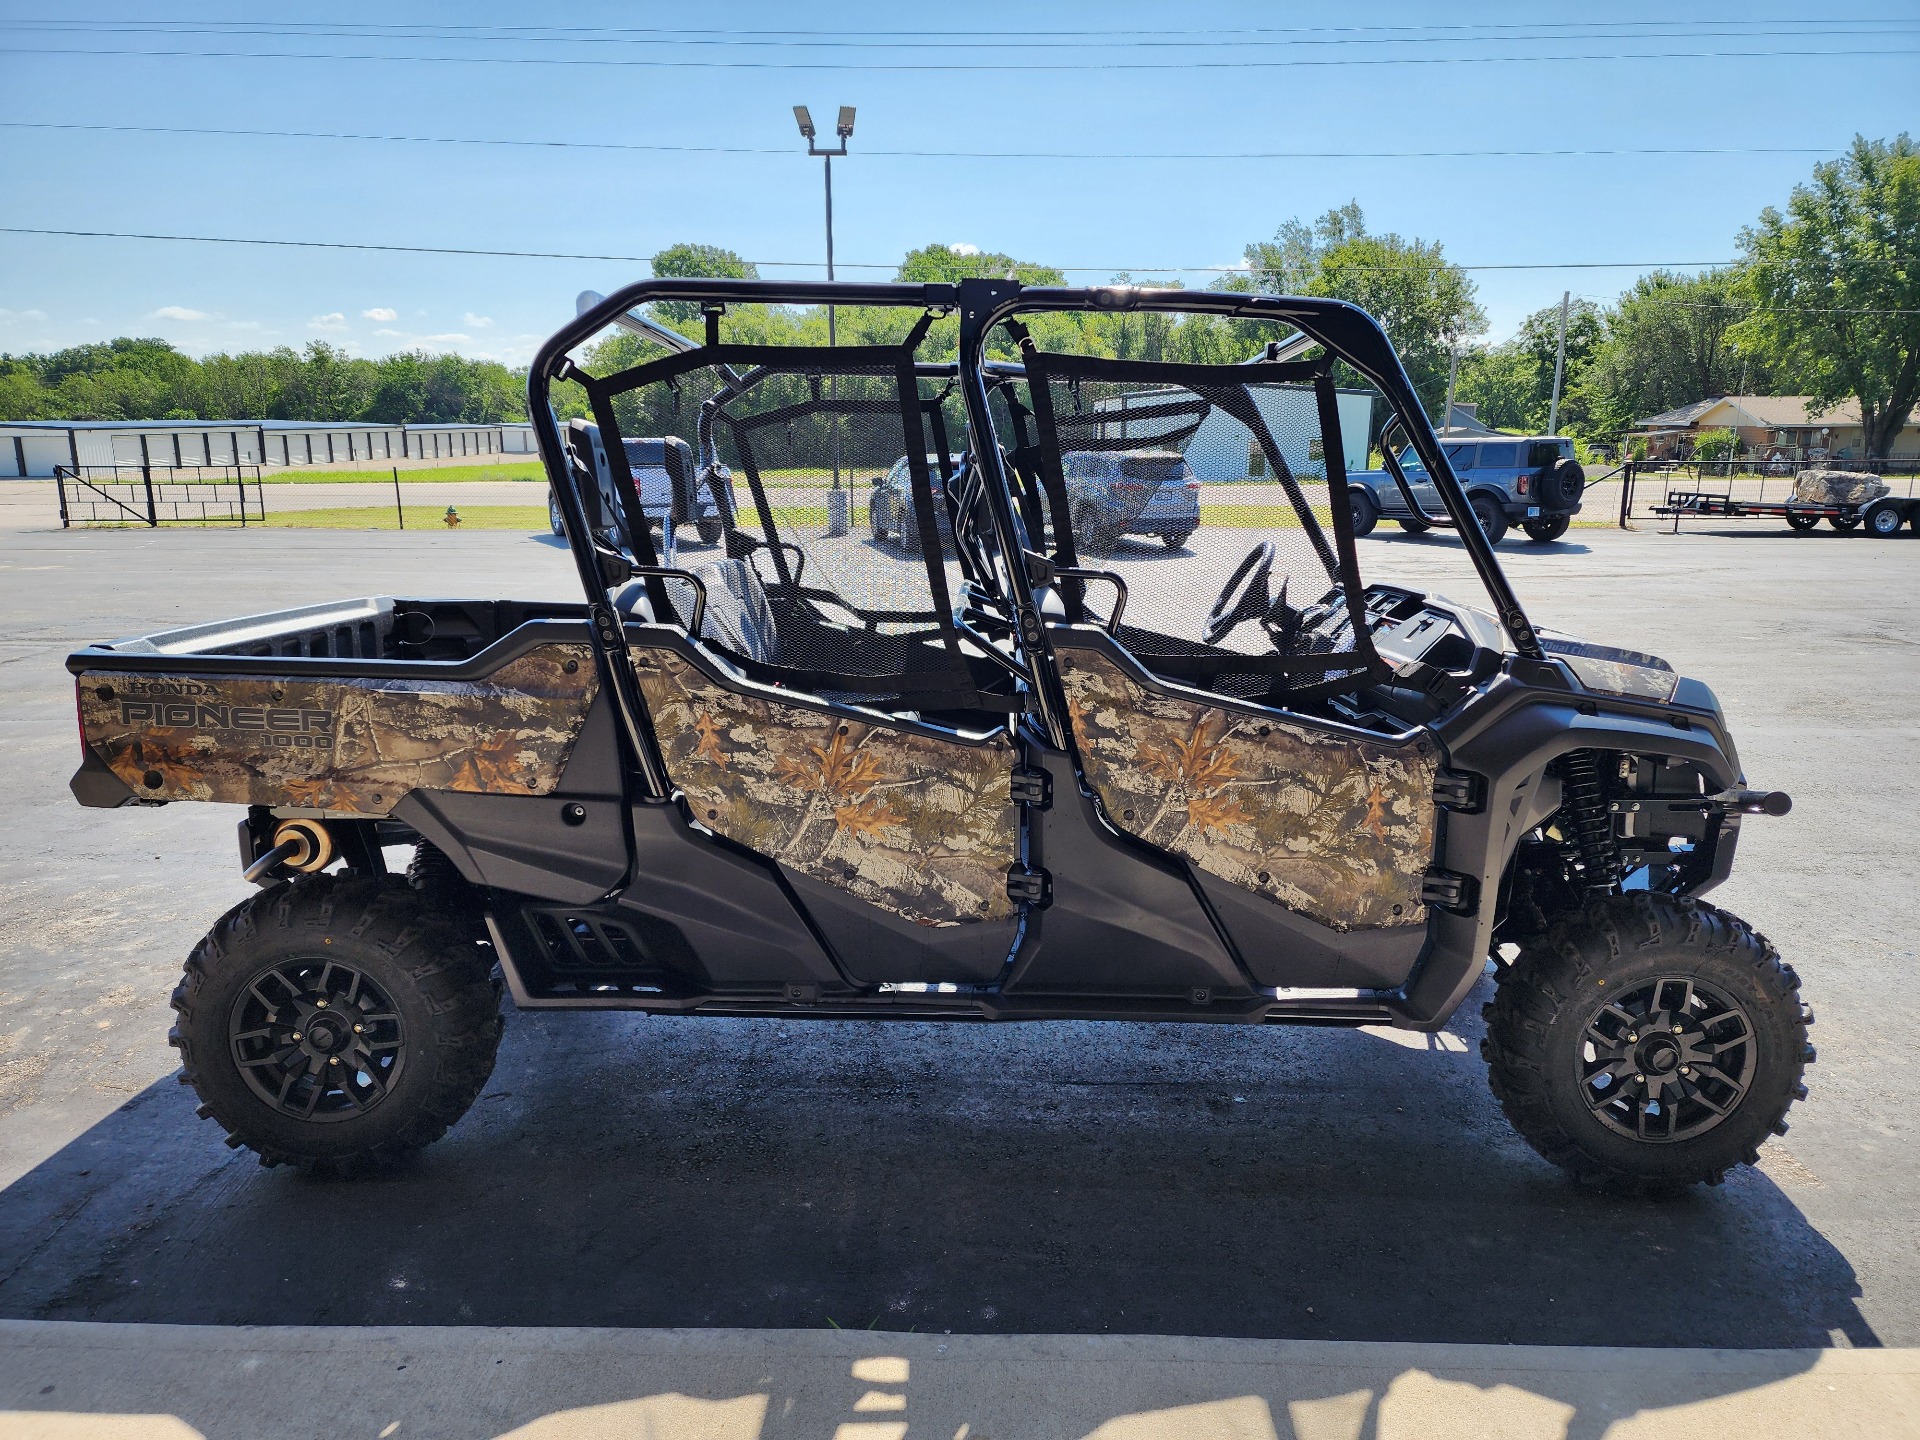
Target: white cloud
x=178, y=312
x=395, y=333
x=381, y=313
x=479, y=322
x=964, y=249
x=334, y=321
x=444, y=339
x=7, y=317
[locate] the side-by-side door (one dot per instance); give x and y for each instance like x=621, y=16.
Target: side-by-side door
x=810, y=699
x=1227, y=734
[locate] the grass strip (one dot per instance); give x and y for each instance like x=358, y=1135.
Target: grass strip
x=414, y=475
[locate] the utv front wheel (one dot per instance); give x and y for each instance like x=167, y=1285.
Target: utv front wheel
x=336, y=1024
x=1647, y=1043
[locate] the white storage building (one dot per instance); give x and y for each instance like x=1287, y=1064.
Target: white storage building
x=34, y=447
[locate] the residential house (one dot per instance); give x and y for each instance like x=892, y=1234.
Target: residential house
x=1768, y=425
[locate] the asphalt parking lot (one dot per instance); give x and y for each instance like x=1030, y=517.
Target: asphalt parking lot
x=1061, y=1178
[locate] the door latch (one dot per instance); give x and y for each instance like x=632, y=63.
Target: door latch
x=1449, y=890
x=1460, y=790
x=1032, y=787
x=1029, y=887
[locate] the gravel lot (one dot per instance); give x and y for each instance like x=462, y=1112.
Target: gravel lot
x=1048, y=1178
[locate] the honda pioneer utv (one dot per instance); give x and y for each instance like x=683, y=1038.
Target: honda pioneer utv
x=984, y=776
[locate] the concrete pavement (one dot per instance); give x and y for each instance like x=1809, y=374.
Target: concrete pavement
x=165, y=1382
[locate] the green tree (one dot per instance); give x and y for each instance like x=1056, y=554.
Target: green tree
x=1835, y=283
x=1424, y=303
x=1289, y=263
x=932, y=264
x=1512, y=383
x=1670, y=341
x=691, y=261
x=1716, y=445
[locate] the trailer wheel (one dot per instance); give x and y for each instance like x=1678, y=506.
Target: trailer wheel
x=1885, y=519
x=1802, y=523
x=1843, y=522
x=1647, y=1043
x=336, y=1025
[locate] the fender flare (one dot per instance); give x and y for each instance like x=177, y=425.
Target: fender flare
x=1513, y=752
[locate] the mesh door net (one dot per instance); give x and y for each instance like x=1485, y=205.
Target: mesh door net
x=835, y=565
x=1205, y=488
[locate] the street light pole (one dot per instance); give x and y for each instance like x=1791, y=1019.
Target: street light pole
x=839, y=507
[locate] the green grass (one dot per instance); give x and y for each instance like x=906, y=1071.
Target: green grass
x=414, y=474
x=371, y=517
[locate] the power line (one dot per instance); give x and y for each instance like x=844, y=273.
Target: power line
x=954, y=67
x=933, y=154
x=957, y=41
x=796, y=264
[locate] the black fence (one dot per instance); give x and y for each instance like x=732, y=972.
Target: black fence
x=155, y=495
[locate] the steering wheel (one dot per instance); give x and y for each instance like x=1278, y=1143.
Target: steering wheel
x=1247, y=596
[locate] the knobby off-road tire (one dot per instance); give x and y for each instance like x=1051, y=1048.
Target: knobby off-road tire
x=401, y=1047
x=1654, y=981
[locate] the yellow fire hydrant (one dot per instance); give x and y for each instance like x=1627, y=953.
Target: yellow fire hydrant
x=452, y=518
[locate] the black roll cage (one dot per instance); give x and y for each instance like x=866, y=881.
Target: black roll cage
x=1345, y=331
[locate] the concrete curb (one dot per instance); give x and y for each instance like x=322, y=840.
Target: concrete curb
x=80, y=1381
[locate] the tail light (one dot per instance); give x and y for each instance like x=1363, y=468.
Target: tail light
x=1193, y=485
x=1523, y=484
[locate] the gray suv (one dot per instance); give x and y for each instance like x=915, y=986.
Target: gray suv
x=1530, y=481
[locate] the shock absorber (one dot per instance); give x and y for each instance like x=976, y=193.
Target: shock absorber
x=1586, y=808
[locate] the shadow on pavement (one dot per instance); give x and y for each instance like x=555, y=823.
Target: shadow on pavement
x=1173, y=1180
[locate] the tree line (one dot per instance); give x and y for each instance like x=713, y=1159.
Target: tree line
x=130, y=379
x=1825, y=302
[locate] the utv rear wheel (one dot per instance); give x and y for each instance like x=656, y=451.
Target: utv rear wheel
x=1647, y=1043
x=1546, y=529
x=336, y=1025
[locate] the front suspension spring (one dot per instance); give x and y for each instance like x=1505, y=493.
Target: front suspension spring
x=1586, y=810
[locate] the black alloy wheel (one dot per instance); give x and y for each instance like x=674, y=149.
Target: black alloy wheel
x=1493, y=519
x=1843, y=523
x=1667, y=1060
x=316, y=1040
x=1545, y=529
x=1802, y=523
x=1366, y=512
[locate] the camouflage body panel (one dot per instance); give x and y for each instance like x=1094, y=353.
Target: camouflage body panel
x=1337, y=828
x=921, y=827
x=350, y=745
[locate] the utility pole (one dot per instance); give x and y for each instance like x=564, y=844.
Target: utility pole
x=1559, y=366
x=839, y=506
x=1453, y=369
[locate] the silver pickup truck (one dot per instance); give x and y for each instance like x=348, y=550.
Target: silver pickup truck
x=1530, y=481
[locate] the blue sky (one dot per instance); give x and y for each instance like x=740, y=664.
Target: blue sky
x=1728, y=77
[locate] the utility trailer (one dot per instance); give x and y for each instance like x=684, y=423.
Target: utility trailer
x=980, y=779
x=1882, y=517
